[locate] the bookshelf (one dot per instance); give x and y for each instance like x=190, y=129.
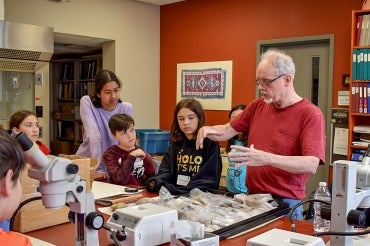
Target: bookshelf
x=72, y=78
x=359, y=114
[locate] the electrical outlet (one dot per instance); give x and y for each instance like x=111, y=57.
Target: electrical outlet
x=41, y=132
x=39, y=112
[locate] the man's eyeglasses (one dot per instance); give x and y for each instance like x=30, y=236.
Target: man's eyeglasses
x=267, y=82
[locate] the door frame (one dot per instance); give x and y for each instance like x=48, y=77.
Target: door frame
x=327, y=38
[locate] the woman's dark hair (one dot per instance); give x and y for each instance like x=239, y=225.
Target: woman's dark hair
x=193, y=105
x=101, y=78
x=236, y=107
x=11, y=155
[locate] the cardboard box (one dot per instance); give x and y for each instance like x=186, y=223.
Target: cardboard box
x=209, y=239
x=34, y=215
x=86, y=167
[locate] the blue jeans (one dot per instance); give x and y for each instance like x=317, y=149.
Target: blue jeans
x=298, y=212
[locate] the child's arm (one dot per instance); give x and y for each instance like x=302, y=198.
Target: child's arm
x=92, y=132
x=119, y=169
x=165, y=174
x=149, y=166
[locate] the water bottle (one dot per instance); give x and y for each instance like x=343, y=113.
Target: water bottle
x=321, y=193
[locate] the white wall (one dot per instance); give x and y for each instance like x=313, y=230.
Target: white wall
x=133, y=25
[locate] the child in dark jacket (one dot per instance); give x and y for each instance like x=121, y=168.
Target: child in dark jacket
x=126, y=163
x=184, y=167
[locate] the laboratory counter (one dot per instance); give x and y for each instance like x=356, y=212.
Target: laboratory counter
x=64, y=234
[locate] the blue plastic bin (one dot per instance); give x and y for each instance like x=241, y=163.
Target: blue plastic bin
x=153, y=141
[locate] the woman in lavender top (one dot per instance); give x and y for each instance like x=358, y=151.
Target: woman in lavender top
x=95, y=112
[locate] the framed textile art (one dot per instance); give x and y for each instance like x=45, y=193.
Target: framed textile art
x=208, y=82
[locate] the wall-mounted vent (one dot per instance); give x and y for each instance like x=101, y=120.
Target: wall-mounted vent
x=22, y=46
x=20, y=65
x=20, y=54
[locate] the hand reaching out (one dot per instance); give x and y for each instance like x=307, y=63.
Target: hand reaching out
x=204, y=132
x=248, y=156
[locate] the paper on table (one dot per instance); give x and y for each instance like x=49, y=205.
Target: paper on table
x=106, y=210
x=39, y=242
x=101, y=189
x=106, y=194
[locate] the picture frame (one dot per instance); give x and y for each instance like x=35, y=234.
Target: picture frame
x=195, y=80
x=346, y=79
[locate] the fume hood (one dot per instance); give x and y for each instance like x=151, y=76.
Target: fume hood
x=25, y=52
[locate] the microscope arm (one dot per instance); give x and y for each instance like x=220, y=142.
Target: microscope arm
x=350, y=191
x=60, y=184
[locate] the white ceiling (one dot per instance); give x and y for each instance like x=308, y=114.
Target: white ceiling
x=160, y=2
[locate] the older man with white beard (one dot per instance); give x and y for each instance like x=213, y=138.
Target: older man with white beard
x=286, y=134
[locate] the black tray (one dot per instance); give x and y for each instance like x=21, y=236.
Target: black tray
x=250, y=223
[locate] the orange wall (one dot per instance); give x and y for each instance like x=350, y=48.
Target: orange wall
x=217, y=30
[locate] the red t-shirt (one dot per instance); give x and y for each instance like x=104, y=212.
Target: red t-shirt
x=43, y=147
x=14, y=239
x=297, y=130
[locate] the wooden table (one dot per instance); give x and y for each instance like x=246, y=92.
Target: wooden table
x=64, y=234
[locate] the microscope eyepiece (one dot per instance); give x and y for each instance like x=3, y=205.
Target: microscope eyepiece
x=24, y=141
